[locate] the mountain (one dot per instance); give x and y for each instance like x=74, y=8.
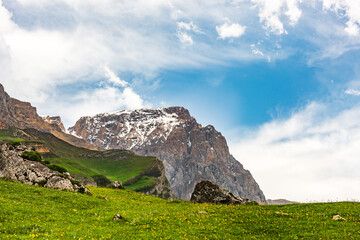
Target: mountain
x=15, y=113
x=190, y=153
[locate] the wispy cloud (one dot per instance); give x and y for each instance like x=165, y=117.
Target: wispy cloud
x=352, y=92
x=113, y=78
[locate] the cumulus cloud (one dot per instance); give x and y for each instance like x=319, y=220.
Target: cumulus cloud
x=270, y=13
x=227, y=30
x=311, y=156
x=111, y=95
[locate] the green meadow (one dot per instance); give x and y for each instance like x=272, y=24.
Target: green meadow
x=29, y=212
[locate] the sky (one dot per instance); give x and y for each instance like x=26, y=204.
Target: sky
x=279, y=79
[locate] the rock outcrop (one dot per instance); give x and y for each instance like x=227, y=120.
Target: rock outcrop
x=15, y=168
x=56, y=122
x=207, y=192
x=15, y=113
x=190, y=153
x=116, y=185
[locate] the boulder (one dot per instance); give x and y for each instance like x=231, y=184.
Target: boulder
x=208, y=192
x=116, y=185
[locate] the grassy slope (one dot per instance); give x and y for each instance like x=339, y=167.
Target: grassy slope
x=27, y=212
x=83, y=163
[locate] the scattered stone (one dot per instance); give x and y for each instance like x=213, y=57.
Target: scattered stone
x=281, y=213
x=338, y=217
x=208, y=192
x=117, y=217
x=202, y=212
x=116, y=185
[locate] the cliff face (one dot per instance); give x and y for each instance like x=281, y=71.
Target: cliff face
x=15, y=113
x=190, y=153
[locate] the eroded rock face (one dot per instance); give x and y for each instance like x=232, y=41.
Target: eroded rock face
x=15, y=168
x=207, y=192
x=190, y=153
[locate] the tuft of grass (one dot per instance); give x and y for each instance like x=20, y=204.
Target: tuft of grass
x=57, y=168
x=32, y=156
x=52, y=214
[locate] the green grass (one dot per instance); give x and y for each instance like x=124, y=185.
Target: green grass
x=31, y=212
x=84, y=163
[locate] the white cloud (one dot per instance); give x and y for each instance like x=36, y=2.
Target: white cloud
x=270, y=13
x=183, y=30
x=111, y=95
x=185, y=38
x=113, y=78
x=352, y=92
x=255, y=50
x=188, y=26
x=6, y=24
x=230, y=30
x=310, y=156
x=348, y=9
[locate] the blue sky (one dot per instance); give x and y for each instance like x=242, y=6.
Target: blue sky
x=280, y=79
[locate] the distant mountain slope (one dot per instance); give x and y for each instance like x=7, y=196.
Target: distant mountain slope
x=15, y=113
x=190, y=152
x=138, y=173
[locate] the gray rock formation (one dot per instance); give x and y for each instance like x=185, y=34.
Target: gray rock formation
x=15, y=168
x=190, y=153
x=116, y=185
x=207, y=192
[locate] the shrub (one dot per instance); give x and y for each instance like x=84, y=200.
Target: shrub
x=57, y=168
x=42, y=183
x=32, y=156
x=46, y=162
x=75, y=182
x=101, y=180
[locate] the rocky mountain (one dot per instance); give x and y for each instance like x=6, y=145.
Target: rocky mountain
x=15, y=113
x=190, y=153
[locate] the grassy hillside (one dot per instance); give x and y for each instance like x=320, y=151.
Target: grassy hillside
x=31, y=212
x=83, y=163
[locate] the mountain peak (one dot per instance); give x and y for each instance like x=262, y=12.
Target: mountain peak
x=190, y=152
